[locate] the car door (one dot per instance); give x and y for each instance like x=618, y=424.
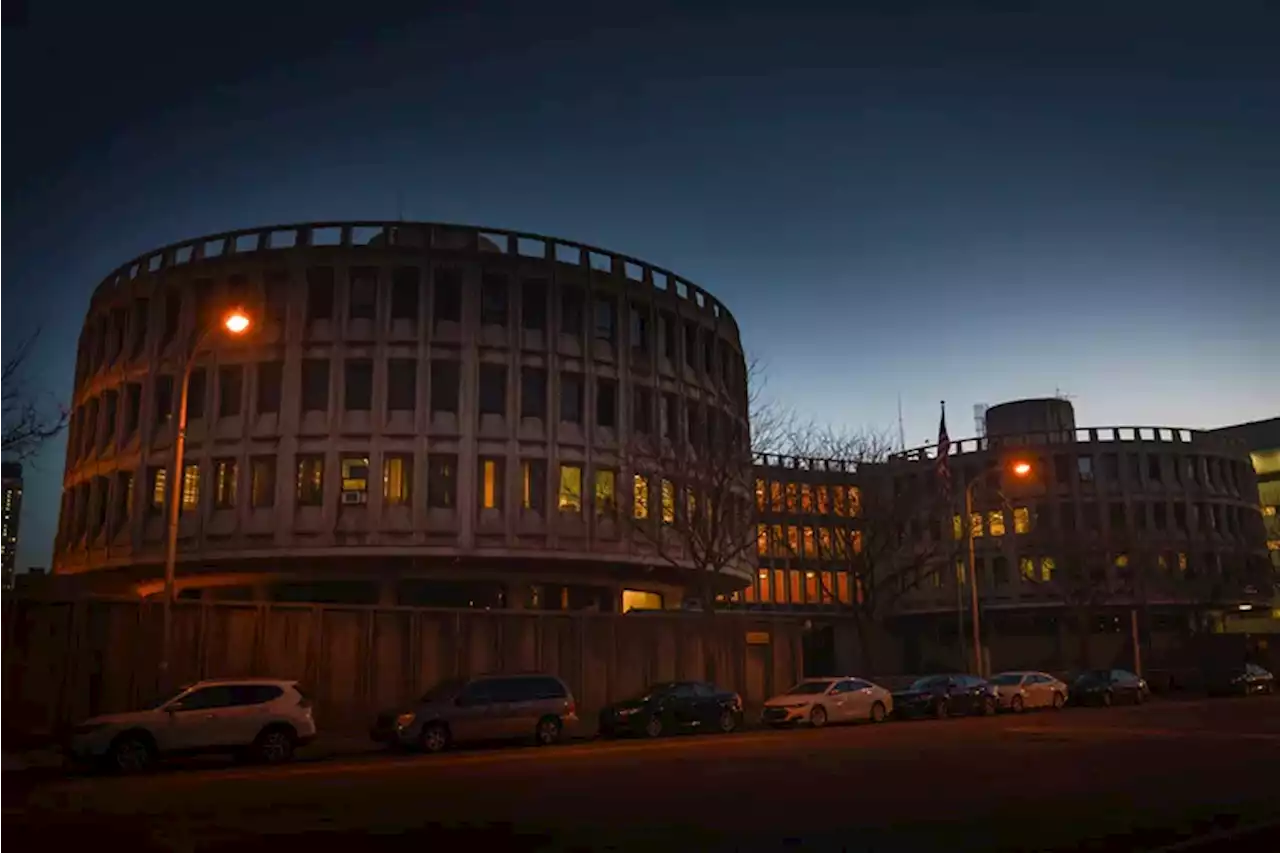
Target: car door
x=956, y=691
x=682, y=704
x=516, y=706
x=1036, y=688
x=861, y=697
x=1124, y=683
x=472, y=717
x=199, y=720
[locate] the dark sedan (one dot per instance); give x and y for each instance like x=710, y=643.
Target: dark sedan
x=1108, y=686
x=1246, y=679
x=673, y=706
x=945, y=696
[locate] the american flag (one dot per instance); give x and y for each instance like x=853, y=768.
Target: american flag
x=944, y=450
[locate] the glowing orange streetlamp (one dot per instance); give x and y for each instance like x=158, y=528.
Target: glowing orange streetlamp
x=235, y=322
x=1022, y=468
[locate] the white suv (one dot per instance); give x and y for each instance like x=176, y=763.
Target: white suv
x=258, y=718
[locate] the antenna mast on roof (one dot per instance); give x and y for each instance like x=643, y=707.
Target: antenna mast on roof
x=902, y=433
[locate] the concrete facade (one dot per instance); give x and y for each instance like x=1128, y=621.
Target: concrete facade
x=421, y=414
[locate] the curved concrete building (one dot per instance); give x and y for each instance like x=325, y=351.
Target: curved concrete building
x=422, y=413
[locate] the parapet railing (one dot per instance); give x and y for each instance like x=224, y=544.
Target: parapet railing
x=1098, y=436
x=414, y=235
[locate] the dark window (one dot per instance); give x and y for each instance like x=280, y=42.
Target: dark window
x=270, y=382
x=402, y=384
x=606, y=403
x=172, y=316
x=277, y=296
x=693, y=427
x=357, y=394
x=691, y=344
x=668, y=327
x=447, y=304
x=230, y=390
x=254, y=694
x=444, y=386
x=1000, y=571
x=197, y=390
x=111, y=402
x=320, y=293
x=533, y=392
x=1161, y=516
x=571, y=398
x=1084, y=466
x=362, y=298
x=138, y=326
x=533, y=484
x=1140, y=516
x=123, y=497
x=639, y=328
x=1111, y=468
x=164, y=398
x=642, y=411
x=493, y=389
x=478, y=693
x=493, y=299
x=571, y=302
x=1115, y=516
x=404, y=293
x=670, y=416
x=262, y=481
x=533, y=308
x=205, y=698
x=315, y=384
x=1180, y=516
x=441, y=480
x=132, y=407
x=605, y=319
x=708, y=351
x=1153, y=468
x=1135, y=469
x=1061, y=469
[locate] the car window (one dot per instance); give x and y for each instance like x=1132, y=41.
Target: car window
x=1122, y=675
x=845, y=686
x=1010, y=679
x=509, y=690
x=254, y=694
x=809, y=688
x=550, y=688
x=683, y=690
x=858, y=684
x=206, y=698
x=1038, y=679
x=930, y=682
x=704, y=690
x=479, y=693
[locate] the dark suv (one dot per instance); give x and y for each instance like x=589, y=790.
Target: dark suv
x=486, y=708
x=945, y=696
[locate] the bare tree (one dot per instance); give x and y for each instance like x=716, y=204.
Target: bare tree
x=31, y=416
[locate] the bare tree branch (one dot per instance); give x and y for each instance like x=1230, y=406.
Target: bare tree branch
x=31, y=416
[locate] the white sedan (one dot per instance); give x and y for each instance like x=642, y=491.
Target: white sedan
x=1022, y=690
x=818, y=701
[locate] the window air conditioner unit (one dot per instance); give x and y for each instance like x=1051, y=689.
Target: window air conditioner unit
x=355, y=497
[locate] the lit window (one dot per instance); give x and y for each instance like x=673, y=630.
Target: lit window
x=775, y=496
x=760, y=495
x=668, y=502
x=1027, y=568
x=857, y=541
x=765, y=594
x=606, y=491
x=838, y=491
x=395, y=480
x=1122, y=561
x=778, y=541
x=824, y=543
x=1269, y=511
x=262, y=481
x=762, y=539
x=824, y=500
x=157, y=488
x=1021, y=520
x=806, y=498
x=1047, y=567
x=793, y=541
x=841, y=543
x=957, y=528
x=811, y=587
x=640, y=496
x=691, y=508
x=533, y=482
x=828, y=588
x=792, y=497
x=190, y=487
x=1182, y=561
x=489, y=479
x=810, y=543
x=855, y=502
x=961, y=575
x=936, y=578
x=1273, y=544
x=310, y=480
x=570, y=496
x=995, y=522
x=842, y=588
x=355, y=474
x=224, y=483
x=975, y=524
x=634, y=599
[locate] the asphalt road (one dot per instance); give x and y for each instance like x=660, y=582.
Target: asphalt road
x=1136, y=778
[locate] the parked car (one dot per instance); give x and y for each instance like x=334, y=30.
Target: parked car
x=946, y=695
x=1245, y=679
x=1108, y=686
x=818, y=701
x=672, y=706
x=1018, y=691
x=486, y=708
x=262, y=719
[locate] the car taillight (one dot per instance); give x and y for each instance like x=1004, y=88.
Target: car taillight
x=573, y=707
x=737, y=702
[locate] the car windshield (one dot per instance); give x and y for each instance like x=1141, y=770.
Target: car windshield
x=443, y=690
x=1007, y=679
x=164, y=699
x=656, y=690
x=1094, y=676
x=929, y=682
x=809, y=688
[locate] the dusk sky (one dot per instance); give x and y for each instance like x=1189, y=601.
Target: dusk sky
x=972, y=206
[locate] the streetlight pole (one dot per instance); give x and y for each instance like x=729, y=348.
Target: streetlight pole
x=973, y=575
x=236, y=322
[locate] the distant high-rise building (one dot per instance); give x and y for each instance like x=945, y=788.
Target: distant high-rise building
x=12, y=515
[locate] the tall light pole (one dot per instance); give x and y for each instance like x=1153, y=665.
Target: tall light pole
x=1021, y=469
x=234, y=322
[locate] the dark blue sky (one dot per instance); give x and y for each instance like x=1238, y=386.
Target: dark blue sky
x=973, y=205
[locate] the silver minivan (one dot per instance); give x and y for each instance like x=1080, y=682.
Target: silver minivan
x=485, y=708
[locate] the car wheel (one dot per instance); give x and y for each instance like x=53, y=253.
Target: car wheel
x=434, y=738
x=989, y=707
x=1139, y=697
x=1058, y=701
x=818, y=717
x=653, y=726
x=548, y=731
x=1016, y=704
x=940, y=709
x=877, y=712
x=274, y=745
x=728, y=721
x=131, y=753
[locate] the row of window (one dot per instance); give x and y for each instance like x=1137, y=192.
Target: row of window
x=1116, y=515
x=96, y=423
x=820, y=499
x=95, y=504
x=122, y=332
